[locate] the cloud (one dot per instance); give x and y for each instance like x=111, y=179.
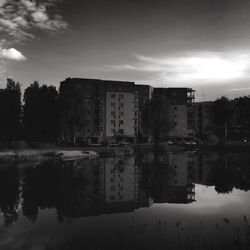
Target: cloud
x=18, y=19
x=2, y=3
x=240, y=89
x=12, y=54
x=199, y=68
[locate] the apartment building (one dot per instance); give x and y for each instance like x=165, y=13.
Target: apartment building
x=202, y=118
x=96, y=111
x=83, y=110
x=121, y=110
x=177, y=110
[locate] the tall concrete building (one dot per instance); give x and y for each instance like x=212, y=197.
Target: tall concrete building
x=96, y=111
x=83, y=110
x=203, y=118
x=121, y=110
x=177, y=110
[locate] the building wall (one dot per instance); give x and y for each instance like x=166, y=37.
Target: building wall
x=178, y=110
x=87, y=96
x=120, y=114
x=178, y=126
x=202, y=117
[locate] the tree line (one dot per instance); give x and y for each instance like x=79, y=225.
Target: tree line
x=34, y=119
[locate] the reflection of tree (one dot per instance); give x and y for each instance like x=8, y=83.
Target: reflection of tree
x=241, y=172
x=231, y=171
x=40, y=189
x=49, y=185
x=9, y=193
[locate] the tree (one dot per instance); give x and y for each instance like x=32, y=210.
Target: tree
x=242, y=105
x=223, y=110
x=10, y=111
x=72, y=103
x=41, y=113
x=9, y=192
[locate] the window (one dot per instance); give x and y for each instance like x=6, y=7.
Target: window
x=121, y=113
x=112, y=113
x=121, y=122
x=112, y=122
x=112, y=95
x=121, y=96
x=121, y=105
x=113, y=104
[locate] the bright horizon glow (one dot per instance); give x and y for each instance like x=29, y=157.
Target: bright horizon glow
x=216, y=68
x=200, y=69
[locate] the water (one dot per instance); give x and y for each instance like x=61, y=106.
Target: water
x=181, y=200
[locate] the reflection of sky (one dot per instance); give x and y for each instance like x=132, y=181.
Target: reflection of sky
x=199, y=217
x=209, y=202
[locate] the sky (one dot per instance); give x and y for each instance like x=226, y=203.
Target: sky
x=203, y=44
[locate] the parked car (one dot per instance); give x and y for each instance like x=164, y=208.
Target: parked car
x=170, y=142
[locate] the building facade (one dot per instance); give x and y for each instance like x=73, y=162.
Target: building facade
x=96, y=111
x=177, y=110
x=202, y=118
x=121, y=110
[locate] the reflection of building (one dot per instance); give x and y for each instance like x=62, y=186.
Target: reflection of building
x=121, y=185
x=178, y=111
x=99, y=186
x=110, y=109
x=178, y=177
x=203, y=118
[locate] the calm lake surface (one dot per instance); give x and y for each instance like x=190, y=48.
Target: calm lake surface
x=171, y=200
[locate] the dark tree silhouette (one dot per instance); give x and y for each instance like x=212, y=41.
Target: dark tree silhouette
x=10, y=111
x=223, y=112
x=41, y=113
x=72, y=113
x=9, y=193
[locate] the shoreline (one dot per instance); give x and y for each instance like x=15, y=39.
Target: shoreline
x=48, y=153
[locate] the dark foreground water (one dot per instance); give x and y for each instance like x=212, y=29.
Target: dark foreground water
x=184, y=200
